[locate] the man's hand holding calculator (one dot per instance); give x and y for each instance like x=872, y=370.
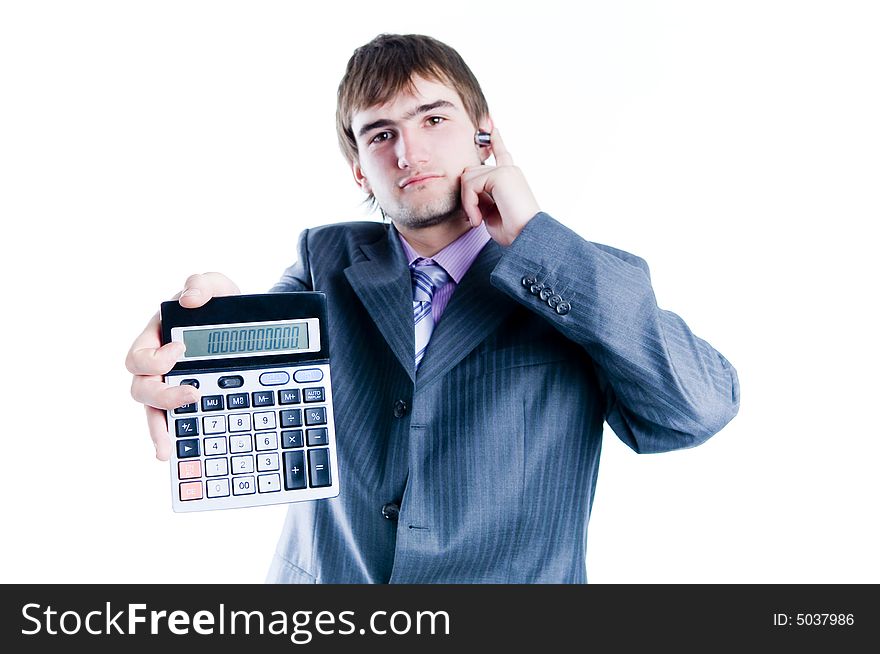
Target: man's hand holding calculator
x=243, y=383
x=148, y=360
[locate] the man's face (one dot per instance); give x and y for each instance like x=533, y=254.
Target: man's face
x=412, y=152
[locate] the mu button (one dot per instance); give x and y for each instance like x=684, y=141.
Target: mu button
x=391, y=511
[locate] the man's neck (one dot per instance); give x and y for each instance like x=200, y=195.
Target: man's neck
x=428, y=241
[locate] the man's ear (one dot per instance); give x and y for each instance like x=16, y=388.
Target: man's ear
x=359, y=177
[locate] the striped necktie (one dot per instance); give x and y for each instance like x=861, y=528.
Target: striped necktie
x=426, y=279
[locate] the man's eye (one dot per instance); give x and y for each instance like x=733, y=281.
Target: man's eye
x=436, y=120
x=381, y=136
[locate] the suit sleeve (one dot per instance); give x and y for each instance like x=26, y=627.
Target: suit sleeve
x=297, y=277
x=664, y=388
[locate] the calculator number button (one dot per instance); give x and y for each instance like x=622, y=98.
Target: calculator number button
x=240, y=422
x=267, y=441
x=187, y=448
x=218, y=488
x=239, y=444
x=269, y=483
x=316, y=416
x=190, y=490
x=266, y=462
x=243, y=486
x=264, y=420
x=217, y=467
x=313, y=394
x=215, y=446
x=242, y=464
x=294, y=470
x=186, y=427
x=319, y=467
x=212, y=403
x=214, y=424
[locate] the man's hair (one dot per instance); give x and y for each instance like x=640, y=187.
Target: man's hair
x=384, y=67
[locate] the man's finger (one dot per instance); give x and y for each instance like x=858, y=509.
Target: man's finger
x=154, y=360
x=198, y=289
x=502, y=156
x=476, y=172
x=147, y=339
x=155, y=393
x=159, y=433
x=470, y=201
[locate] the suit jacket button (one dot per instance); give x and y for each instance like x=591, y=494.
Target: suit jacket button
x=400, y=409
x=534, y=289
x=545, y=293
x=391, y=511
x=554, y=300
x=528, y=281
x=563, y=308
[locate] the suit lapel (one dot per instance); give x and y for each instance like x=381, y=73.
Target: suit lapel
x=474, y=312
x=382, y=282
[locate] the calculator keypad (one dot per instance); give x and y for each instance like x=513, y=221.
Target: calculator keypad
x=244, y=444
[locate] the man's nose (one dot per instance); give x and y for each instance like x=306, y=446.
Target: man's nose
x=411, y=150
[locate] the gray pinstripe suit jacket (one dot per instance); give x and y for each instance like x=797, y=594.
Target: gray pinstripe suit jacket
x=494, y=461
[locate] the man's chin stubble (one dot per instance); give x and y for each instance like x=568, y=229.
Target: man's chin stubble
x=428, y=217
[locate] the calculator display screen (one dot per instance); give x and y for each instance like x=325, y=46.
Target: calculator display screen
x=246, y=339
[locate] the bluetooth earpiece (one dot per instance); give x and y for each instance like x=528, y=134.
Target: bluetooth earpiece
x=482, y=139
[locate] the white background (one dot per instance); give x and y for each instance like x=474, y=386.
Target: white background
x=734, y=146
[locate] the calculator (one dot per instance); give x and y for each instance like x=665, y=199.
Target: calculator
x=263, y=431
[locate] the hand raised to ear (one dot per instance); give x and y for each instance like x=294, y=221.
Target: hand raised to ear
x=498, y=195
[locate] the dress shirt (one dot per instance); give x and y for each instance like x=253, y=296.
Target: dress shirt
x=455, y=259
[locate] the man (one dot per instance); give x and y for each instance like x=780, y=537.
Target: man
x=478, y=345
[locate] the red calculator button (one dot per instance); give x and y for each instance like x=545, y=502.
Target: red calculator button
x=191, y=490
x=189, y=469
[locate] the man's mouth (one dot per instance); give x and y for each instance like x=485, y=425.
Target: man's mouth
x=415, y=179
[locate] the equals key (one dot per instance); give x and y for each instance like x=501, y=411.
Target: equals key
x=319, y=467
